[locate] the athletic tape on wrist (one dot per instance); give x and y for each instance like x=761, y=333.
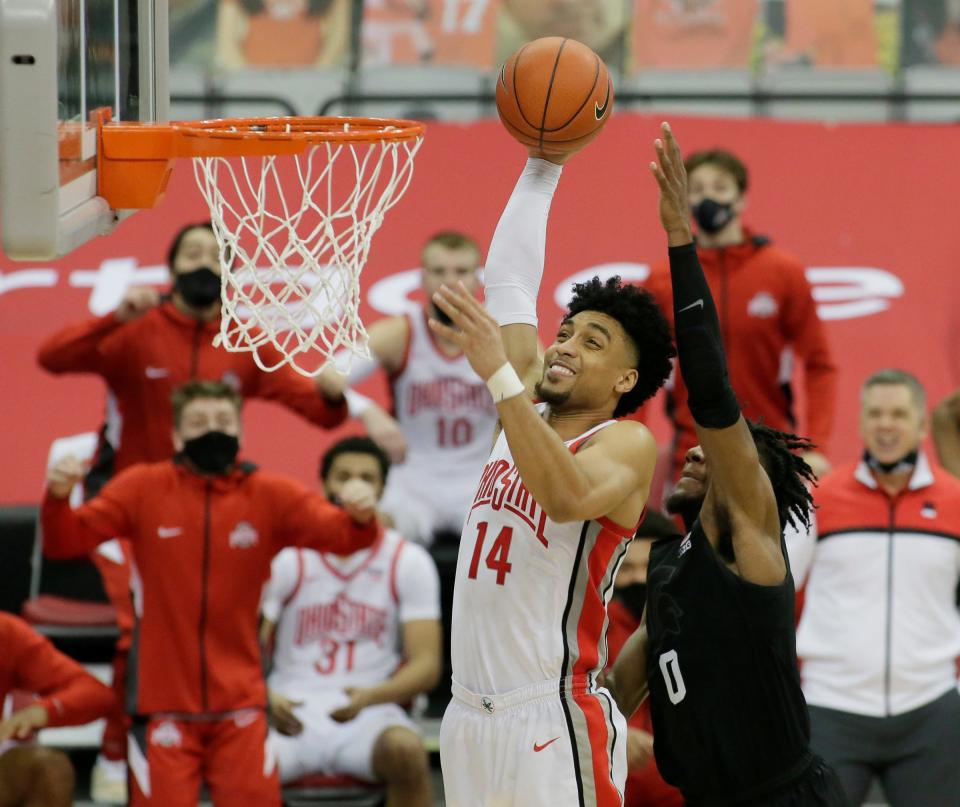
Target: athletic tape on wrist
x=505, y=383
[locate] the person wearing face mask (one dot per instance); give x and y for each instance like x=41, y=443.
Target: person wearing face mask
x=154, y=343
x=645, y=785
x=768, y=318
x=148, y=347
x=880, y=632
x=203, y=529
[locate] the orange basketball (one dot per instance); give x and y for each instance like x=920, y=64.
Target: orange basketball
x=554, y=94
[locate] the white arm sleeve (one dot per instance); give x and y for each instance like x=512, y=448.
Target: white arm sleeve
x=418, y=584
x=514, y=264
x=284, y=573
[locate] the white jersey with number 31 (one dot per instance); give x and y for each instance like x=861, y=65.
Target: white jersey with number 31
x=338, y=619
x=530, y=601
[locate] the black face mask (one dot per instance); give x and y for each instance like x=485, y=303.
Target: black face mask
x=903, y=465
x=199, y=288
x=634, y=596
x=712, y=216
x=212, y=452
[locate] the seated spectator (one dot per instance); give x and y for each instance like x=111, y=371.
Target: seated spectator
x=355, y=638
x=645, y=786
x=880, y=633
x=946, y=432
x=282, y=33
x=203, y=528
x=30, y=775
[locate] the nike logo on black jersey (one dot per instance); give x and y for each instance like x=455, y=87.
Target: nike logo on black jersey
x=694, y=304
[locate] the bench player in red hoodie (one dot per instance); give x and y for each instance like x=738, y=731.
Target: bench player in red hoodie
x=203, y=529
x=32, y=775
x=767, y=313
x=144, y=350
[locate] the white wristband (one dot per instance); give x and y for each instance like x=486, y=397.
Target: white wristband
x=505, y=383
x=357, y=404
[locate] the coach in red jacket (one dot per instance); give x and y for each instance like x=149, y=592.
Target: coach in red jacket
x=150, y=346
x=767, y=313
x=203, y=529
x=66, y=695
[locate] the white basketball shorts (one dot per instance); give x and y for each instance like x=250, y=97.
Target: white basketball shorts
x=331, y=748
x=534, y=746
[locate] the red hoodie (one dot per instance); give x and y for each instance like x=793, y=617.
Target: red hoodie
x=145, y=359
x=30, y=663
x=202, y=548
x=766, y=308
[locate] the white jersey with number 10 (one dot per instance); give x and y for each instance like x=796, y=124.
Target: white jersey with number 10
x=534, y=592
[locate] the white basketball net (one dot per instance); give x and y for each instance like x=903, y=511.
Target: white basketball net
x=293, y=240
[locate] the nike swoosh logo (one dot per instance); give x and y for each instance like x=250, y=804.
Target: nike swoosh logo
x=156, y=372
x=694, y=304
x=168, y=532
x=538, y=748
x=600, y=111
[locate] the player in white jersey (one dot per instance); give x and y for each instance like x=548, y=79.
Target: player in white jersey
x=444, y=415
x=353, y=637
x=556, y=506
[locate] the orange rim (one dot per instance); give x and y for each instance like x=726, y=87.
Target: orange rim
x=305, y=129
x=135, y=159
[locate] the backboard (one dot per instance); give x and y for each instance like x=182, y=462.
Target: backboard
x=59, y=61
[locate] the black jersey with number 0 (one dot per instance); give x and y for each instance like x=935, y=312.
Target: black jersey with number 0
x=729, y=719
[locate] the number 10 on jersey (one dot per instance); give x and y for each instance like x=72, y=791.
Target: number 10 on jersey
x=497, y=558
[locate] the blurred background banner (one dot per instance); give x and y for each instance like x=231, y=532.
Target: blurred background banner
x=760, y=35
x=857, y=202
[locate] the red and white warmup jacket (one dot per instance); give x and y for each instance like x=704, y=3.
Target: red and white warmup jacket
x=880, y=630
x=201, y=553
x=29, y=662
x=144, y=360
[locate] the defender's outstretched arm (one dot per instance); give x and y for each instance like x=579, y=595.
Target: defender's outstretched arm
x=739, y=491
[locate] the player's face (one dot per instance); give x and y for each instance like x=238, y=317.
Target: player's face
x=691, y=487
x=204, y=415
x=593, y=22
x=443, y=266
x=589, y=364
x=352, y=465
x=892, y=424
x=198, y=249
x=711, y=181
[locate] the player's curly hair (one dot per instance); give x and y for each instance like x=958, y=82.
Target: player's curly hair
x=788, y=472
x=639, y=315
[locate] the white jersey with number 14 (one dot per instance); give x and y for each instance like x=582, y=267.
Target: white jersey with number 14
x=530, y=601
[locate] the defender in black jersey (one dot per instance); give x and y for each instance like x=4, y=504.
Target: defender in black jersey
x=718, y=649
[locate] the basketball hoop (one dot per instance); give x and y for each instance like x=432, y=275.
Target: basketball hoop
x=294, y=232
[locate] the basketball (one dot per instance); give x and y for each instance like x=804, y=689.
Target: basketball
x=554, y=94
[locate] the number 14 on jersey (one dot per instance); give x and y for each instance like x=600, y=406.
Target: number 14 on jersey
x=497, y=558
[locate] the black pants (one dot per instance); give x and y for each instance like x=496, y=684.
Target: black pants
x=915, y=755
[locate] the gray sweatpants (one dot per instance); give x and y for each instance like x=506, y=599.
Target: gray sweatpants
x=916, y=755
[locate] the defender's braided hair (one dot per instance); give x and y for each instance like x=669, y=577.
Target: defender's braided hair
x=788, y=472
